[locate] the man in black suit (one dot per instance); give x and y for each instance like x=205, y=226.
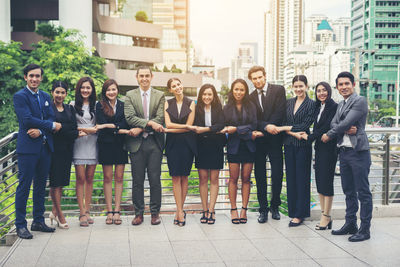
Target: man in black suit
x=270, y=101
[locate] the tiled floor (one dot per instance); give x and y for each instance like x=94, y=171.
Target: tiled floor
x=222, y=244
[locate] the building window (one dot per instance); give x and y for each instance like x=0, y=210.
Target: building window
x=378, y=88
x=391, y=88
x=104, y=9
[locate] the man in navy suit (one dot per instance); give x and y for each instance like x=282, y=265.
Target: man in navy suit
x=270, y=100
x=348, y=126
x=34, y=147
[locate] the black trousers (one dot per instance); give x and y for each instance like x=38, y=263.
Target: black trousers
x=354, y=170
x=271, y=147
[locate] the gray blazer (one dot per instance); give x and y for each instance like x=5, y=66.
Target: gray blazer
x=352, y=113
x=134, y=116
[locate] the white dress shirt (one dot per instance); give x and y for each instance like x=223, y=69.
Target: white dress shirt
x=263, y=91
x=207, y=118
x=320, y=111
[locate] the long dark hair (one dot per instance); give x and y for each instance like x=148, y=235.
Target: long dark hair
x=171, y=80
x=214, y=103
x=231, y=98
x=328, y=89
x=61, y=84
x=300, y=78
x=105, y=104
x=79, y=98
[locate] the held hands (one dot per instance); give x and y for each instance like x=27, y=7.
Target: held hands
x=33, y=133
x=256, y=134
x=325, y=138
x=198, y=129
x=58, y=127
x=272, y=129
x=351, y=131
x=229, y=130
x=134, y=132
x=81, y=134
x=304, y=136
x=156, y=126
x=298, y=135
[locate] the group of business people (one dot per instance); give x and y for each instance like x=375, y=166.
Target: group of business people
x=252, y=126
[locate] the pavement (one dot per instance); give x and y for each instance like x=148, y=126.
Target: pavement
x=222, y=244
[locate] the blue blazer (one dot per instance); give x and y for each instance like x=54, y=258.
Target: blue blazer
x=244, y=130
x=29, y=116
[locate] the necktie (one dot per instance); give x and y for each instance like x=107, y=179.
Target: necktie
x=40, y=107
x=263, y=99
x=145, y=113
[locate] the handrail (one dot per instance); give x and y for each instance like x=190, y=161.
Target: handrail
x=8, y=139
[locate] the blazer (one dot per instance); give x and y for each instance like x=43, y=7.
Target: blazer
x=324, y=124
x=134, y=117
x=217, y=124
x=274, y=111
x=301, y=121
x=108, y=135
x=351, y=113
x=31, y=116
x=244, y=130
x=64, y=139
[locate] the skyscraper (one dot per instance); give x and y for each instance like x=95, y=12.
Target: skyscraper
x=376, y=30
x=284, y=23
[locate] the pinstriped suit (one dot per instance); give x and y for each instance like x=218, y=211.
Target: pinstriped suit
x=298, y=158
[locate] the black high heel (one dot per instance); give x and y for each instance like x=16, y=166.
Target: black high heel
x=204, y=218
x=243, y=220
x=182, y=223
x=236, y=220
x=328, y=226
x=211, y=219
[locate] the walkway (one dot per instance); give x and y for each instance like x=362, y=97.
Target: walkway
x=223, y=244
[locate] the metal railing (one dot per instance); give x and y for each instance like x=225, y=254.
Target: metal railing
x=384, y=180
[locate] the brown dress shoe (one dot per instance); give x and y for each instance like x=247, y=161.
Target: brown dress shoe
x=138, y=219
x=155, y=219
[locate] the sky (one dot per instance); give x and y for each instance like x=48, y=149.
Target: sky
x=217, y=27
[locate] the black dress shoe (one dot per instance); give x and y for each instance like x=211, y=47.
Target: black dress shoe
x=294, y=224
x=347, y=228
x=360, y=236
x=42, y=227
x=24, y=233
x=263, y=217
x=275, y=214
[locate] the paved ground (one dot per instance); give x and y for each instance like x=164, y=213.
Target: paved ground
x=222, y=244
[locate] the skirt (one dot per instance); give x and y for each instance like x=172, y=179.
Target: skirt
x=210, y=154
x=60, y=169
x=112, y=154
x=244, y=155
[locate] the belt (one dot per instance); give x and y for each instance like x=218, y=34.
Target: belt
x=345, y=149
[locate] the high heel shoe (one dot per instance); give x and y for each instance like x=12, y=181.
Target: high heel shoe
x=328, y=226
x=52, y=217
x=61, y=225
x=235, y=220
x=243, y=220
x=182, y=223
x=204, y=218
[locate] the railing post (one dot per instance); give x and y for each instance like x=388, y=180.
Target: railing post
x=386, y=170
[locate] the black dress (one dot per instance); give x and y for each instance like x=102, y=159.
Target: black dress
x=110, y=143
x=180, y=148
x=61, y=158
x=325, y=153
x=210, y=145
x=240, y=147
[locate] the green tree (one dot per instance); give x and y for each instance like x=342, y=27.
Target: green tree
x=165, y=69
x=174, y=69
x=67, y=59
x=224, y=93
x=12, y=60
x=141, y=16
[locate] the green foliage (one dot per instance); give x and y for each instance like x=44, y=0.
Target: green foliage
x=49, y=31
x=380, y=108
x=141, y=16
x=165, y=69
x=12, y=60
x=224, y=93
x=174, y=69
x=67, y=59
x=193, y=180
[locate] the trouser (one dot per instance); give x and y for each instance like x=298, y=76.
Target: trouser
x=148, y=157
x=354, y=170
x=32, y=167
x=272, y=149
x=298, y=176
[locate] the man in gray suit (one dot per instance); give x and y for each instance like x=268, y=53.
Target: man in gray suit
x=348, y=126
x=144, y=113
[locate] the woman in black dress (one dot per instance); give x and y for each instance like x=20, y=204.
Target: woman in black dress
x=61, y=158
x=300, y=114
x=180, y=146
x=111, y=126
x=241, y=123
x=325, y=153
x=209, y=120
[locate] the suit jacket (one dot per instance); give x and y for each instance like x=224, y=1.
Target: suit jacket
x=244, y=129
x=31, y=116
x=274, y=107
x=352, y=113
x=134, y=116
x=217, y=118
x=64, y=139
x=301, y=121
x=324, y=124
x=108, y=135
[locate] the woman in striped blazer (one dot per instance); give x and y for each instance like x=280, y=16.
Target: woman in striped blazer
x=300, y=114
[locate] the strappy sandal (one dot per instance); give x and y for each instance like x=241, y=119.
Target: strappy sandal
x=236, y=220
x=117, y=221
x=243, y=220
x=211, y=219
x=83, y=223
x=204, y=218
x=108, y=219
x=89, y=220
